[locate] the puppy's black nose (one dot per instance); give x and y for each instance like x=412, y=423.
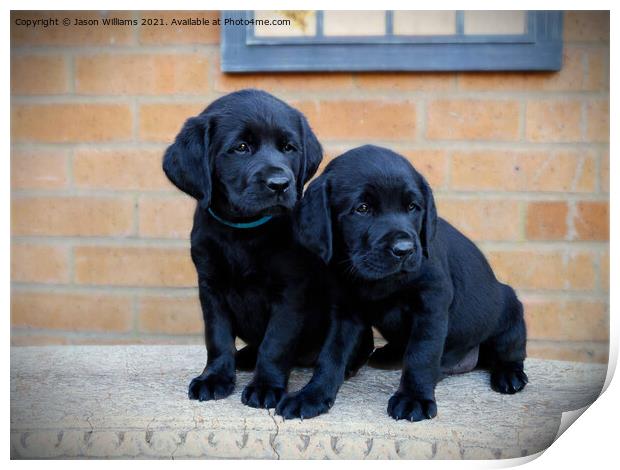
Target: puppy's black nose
x=278, y=184
x=402, y=248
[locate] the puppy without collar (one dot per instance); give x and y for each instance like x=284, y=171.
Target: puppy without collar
x=398, y=267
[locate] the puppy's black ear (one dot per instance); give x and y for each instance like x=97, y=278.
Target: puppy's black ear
x=312, y=155
x=186, y=161
x=313, y=227
x=429, y=223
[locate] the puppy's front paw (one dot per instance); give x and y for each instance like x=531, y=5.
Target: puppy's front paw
x=411, y=408
x=508, y=380
x=303, y=404
x=259, y=395
x=211, y=387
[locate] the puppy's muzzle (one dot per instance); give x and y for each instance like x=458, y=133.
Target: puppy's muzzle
x=278, y=184
x=401, y=248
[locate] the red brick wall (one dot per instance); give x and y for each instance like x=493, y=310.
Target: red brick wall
x=518, y=161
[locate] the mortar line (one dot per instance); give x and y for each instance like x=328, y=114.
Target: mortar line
x=473, y=145
x=296, y=96
x=192, y=292
x=135, y=29
x=172, y=194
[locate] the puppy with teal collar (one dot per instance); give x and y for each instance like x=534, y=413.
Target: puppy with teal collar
x=245, y=159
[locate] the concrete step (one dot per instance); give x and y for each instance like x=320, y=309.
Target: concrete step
x=131, y=402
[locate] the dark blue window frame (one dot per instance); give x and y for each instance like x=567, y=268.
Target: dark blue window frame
x=540, y=48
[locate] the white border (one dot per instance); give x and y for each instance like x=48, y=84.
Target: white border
x=591, y=442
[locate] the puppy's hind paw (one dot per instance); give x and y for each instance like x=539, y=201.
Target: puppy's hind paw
x=211, y=387
x=411, y=408
x=303, y=405
x=261, y=395
x=508, y=380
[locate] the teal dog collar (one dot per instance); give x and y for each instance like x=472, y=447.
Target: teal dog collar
x=256, y=223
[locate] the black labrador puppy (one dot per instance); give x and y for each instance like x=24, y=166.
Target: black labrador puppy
x=245, y=159
x=418, y=280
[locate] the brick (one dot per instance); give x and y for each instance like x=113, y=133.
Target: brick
x=365, y=119
x=162, y=122
x=556, y=171
x=70, y=122
x=142, y=74
x=178, y=34
x=553, y=121
x=331, y=151
x=568, y=320
x=71, y=216
x=38, y=75
x=604, y=267
x=573, y=351
x=586, y=26
x=481, y=219
x=557, y=270
x=134, y=266
x=72, y=312
x=432, y=164
x=546, y=221
x=473, y=120
x=166, y=217
x=71, y=35
x=605, y=172
x=170, y=315
x=38, y=170
x=405, y=81
x=592, y=221
x=597, y=121
x=39, y=263
x=569, y=78
x=120, y=169
x=597, y=67
x=278, y=82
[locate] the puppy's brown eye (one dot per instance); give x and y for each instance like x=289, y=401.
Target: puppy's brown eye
x=413, y=206
x=288, y=148
x=363, y=208
x=242, y=148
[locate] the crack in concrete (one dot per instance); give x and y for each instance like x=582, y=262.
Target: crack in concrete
x=182, y=439
x=88, y=434
x=272, y=439
x=245, y=436
x=195, y=418
x=148, y=435
x=369, y=444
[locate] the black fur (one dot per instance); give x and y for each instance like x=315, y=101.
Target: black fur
x=254, y=283
x=418, y=280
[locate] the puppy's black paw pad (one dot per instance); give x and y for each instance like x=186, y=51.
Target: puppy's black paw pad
x=508, y=380
x=411, y=408
x=211, y=387
x=303, y=405
x=261, y=395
